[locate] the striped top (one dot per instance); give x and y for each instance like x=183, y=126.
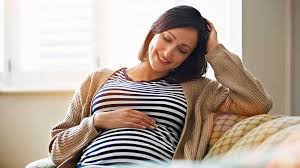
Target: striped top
x=161, y=100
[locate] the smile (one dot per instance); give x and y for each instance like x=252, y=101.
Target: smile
x=162, y=60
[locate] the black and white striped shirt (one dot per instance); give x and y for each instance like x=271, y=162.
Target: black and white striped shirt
x=161, y=100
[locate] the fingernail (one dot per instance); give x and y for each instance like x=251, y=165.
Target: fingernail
x=152, y=127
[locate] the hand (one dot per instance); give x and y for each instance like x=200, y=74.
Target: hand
x=123, y=118
x=212, y=40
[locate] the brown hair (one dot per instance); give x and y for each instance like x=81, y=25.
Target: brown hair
x=182, y=16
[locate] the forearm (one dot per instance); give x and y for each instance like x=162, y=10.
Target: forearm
x=246, y=96
x=65, y=143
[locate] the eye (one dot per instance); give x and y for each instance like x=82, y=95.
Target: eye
x=167, y=38
x=183, y=51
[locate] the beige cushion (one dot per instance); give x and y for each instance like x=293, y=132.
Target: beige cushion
x=254, y=133
x=42, y=163
x=236, y=132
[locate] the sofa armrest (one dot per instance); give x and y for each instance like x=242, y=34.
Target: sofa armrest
x=42, y=163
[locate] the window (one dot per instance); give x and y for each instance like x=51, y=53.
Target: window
x=48, y=44
x=52, y=44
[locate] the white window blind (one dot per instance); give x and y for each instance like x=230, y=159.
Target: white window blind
x=60, y=34
x=48, y=44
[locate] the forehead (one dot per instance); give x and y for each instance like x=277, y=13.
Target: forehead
x=185, y=35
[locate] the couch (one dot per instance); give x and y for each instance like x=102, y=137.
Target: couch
x=232, y=135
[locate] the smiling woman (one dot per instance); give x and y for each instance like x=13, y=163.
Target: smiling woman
x=161, y=109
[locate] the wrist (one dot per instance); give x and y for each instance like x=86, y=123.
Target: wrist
x=97, y=121
x=212, y=47
x=213, y=55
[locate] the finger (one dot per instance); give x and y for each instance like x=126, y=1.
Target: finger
x=130, y=113
x=140, y=122
x=144, y=118
x=209, y=29
x=210, y=25
x=134, y=125
x=136, y=112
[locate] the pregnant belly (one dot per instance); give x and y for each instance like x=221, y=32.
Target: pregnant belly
x=130, y=146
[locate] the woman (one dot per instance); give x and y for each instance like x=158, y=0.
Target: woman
x=160, y=109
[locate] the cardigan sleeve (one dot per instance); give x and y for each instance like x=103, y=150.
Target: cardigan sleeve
x=237, y=91
x=71, y=135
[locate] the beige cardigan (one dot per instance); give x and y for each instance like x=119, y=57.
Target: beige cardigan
x=235, y=89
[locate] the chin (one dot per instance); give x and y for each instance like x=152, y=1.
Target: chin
x=160, y=69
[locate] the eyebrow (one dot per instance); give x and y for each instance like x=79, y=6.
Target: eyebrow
x=183, y=43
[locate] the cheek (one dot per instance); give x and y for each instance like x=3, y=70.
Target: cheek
x=153, y=43
x=150, y=51
x=154, y=47
x=157, y=44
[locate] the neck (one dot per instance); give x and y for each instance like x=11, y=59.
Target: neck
x=144, y=72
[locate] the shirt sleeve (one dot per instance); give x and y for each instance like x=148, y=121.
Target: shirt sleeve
x=71, y=135
x=236, y=91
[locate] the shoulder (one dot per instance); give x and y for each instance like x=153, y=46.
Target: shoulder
x=100, y=73
x=96, y=76
x=103, y=71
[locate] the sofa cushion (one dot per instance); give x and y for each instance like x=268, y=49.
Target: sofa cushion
x=259, y=135
x=284, y=136
x=222, y=123
x=42, y=163
x=236, y=132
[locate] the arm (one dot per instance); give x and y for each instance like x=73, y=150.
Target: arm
x=238, y=91
x=244, y=94
x=73, y=133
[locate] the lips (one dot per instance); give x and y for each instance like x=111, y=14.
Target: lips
x=162, y=60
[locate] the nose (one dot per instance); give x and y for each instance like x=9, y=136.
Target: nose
x=168, y=52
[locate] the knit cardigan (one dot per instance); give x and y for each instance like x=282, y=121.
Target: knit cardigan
x=234, y=91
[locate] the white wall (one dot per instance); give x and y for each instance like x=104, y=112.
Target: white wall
x=296, y=68
x=26, y=118
x=267, y=48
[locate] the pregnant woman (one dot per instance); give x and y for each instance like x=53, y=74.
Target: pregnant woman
x=161, y=109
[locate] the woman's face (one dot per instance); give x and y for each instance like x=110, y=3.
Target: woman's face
x=169, y=49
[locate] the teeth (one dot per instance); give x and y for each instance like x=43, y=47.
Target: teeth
x=163, y=60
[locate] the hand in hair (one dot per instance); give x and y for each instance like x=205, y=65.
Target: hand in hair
x=212, y=40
